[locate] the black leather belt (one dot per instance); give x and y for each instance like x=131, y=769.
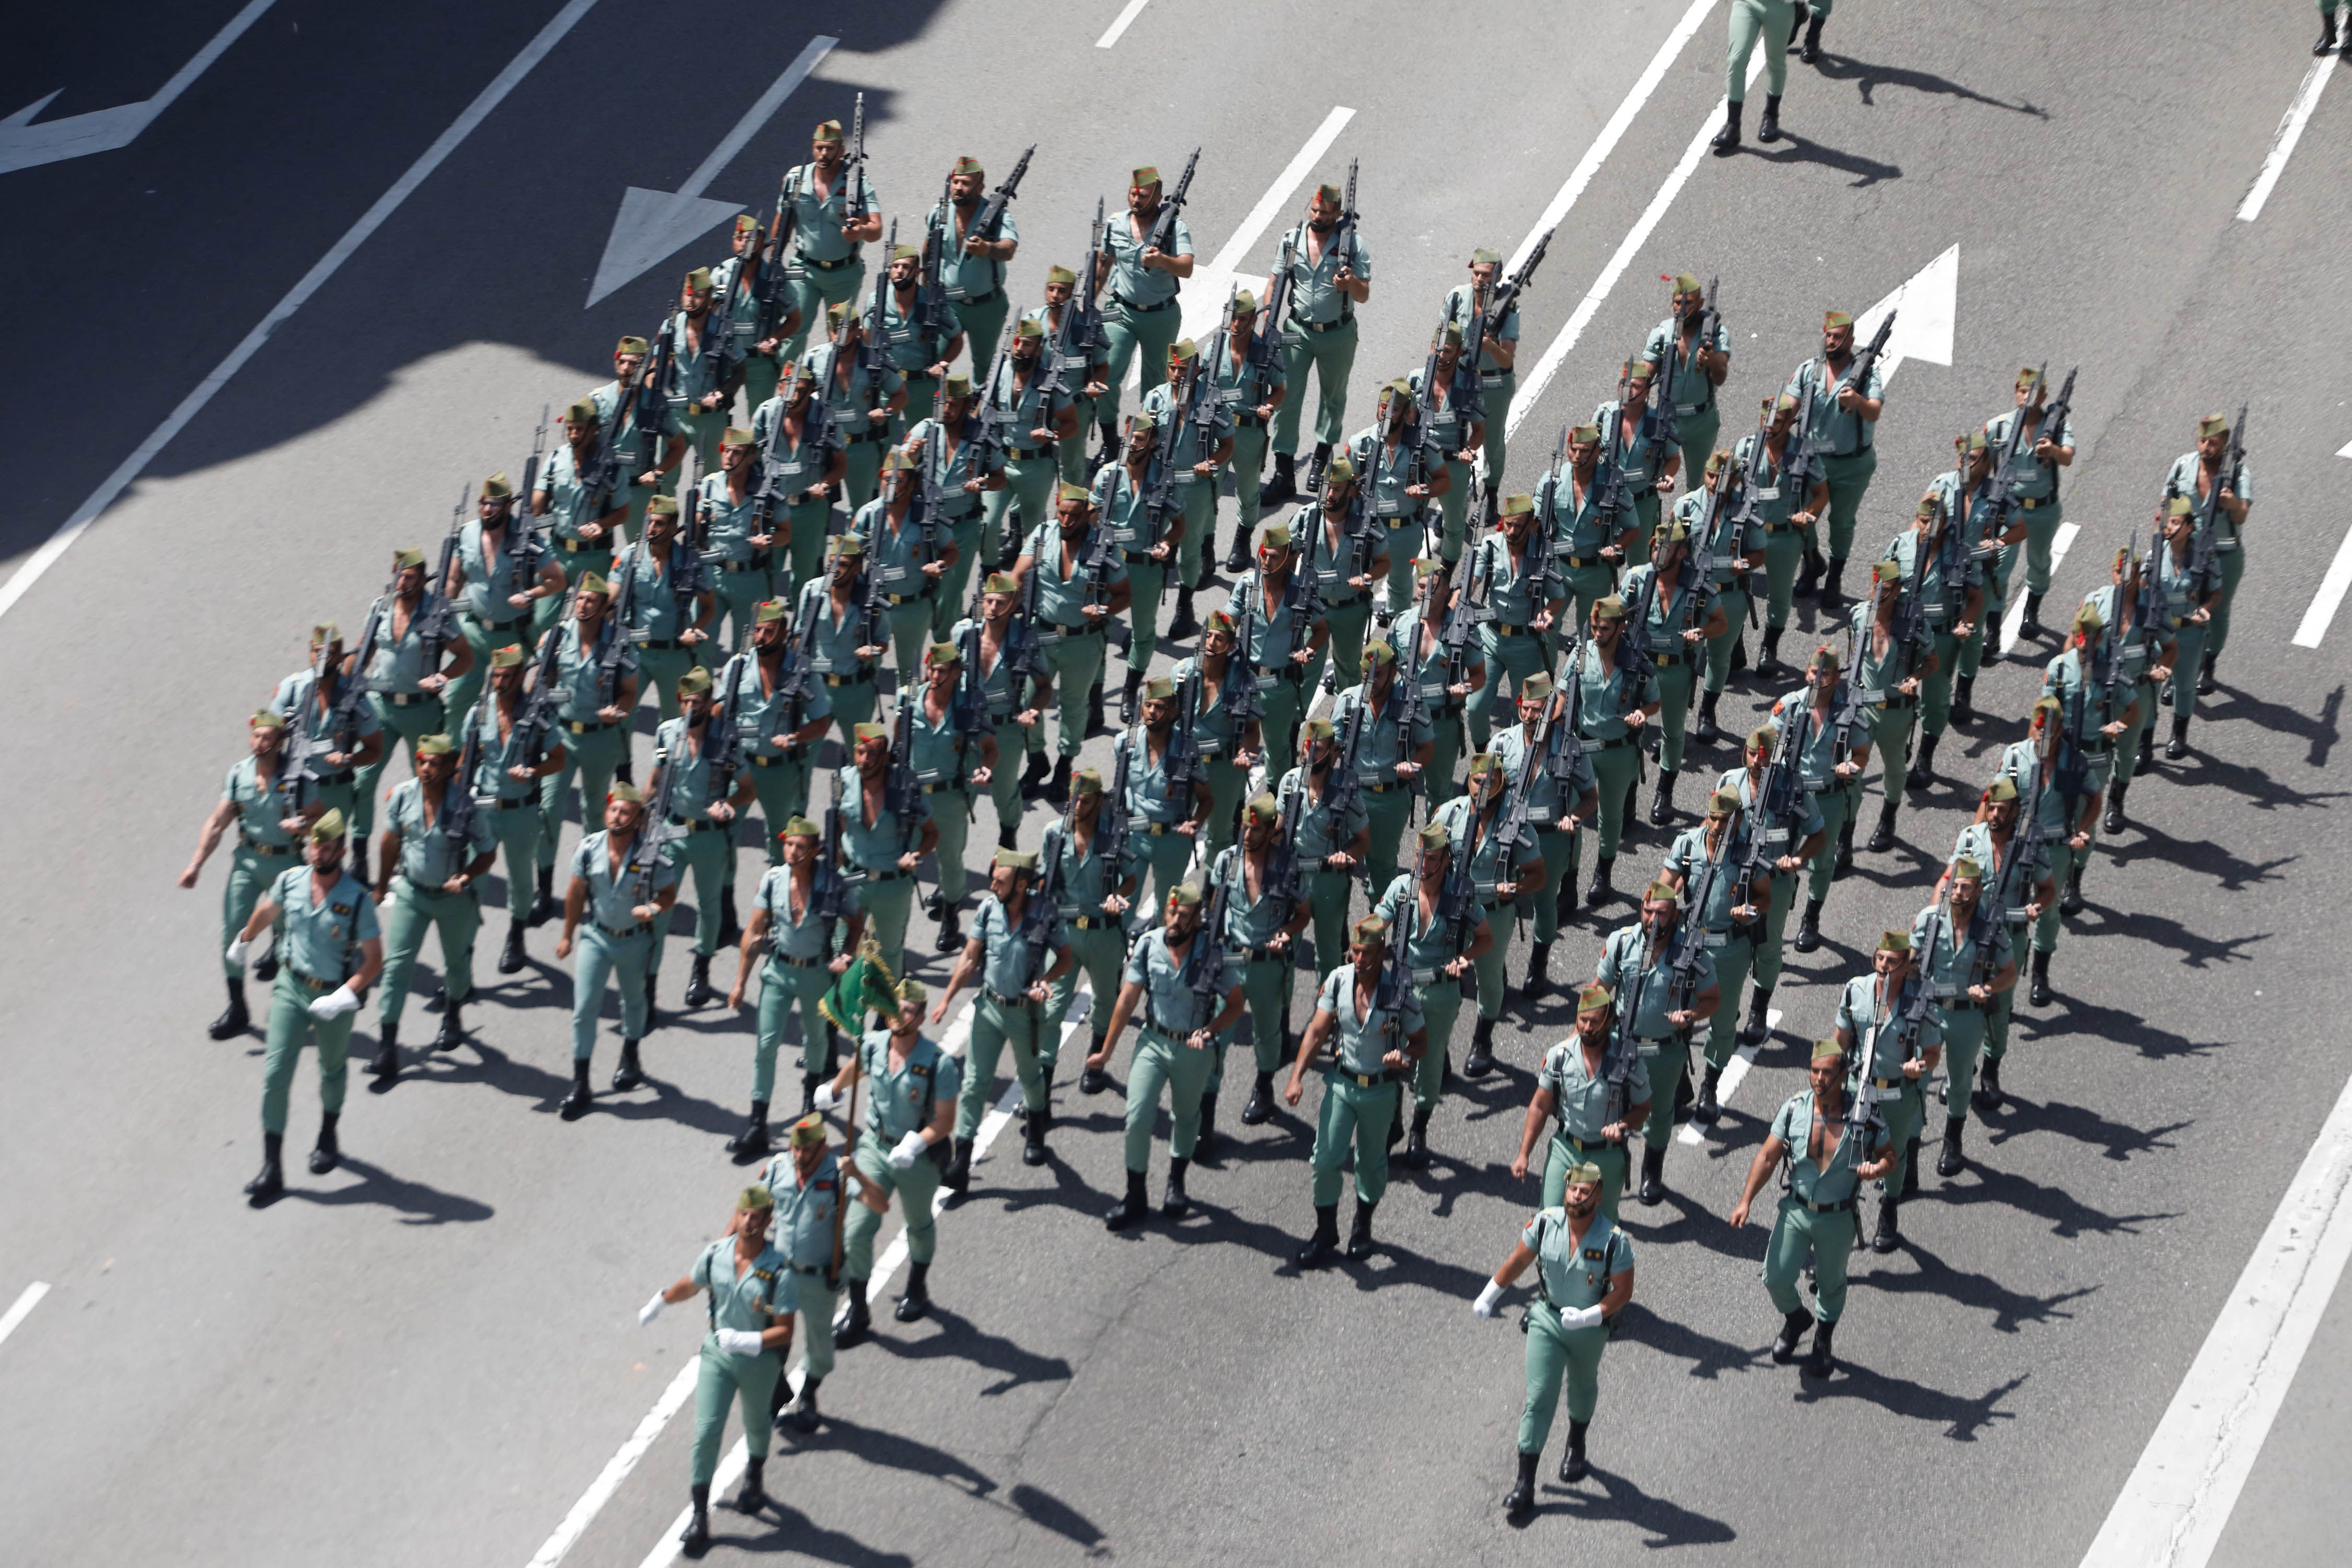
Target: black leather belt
x=892, y=875
x=310, y=982
x=1092, y=923
x=868, y=439
x=584, y=546
x=1841, y=1206
x=504, y=805
x=897, y=599
x=637, y=930
x=694, y=824
x=1002, y=1000
x=416, y=699
x=848, y=679
x=1076, y=631
x=579, y=727
x=990, y=298
x=342, y=778
x=495, y=625
x=807, y=260
x=772, y=761
x=662, y=645
x=791, y=963
x=740, y=566
x=1126, y=303
x=1365, y=1080
x=1318, y=328
x=267, y=849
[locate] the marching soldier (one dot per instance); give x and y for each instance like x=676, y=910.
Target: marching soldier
x=972, y=269
x=1388, y=757
x=1070, y=620
x=1682, y=615
x=1175, y=1048
x=1965, y=959
x=920, y=356
x=1011, y=716
x=1327, y=281
x=1842, y=430
x=805, y=1180
x=763, y=359
x=1834, y=756
x=588, y=719
x=1593, y=1114
x=1615, y=700
x=1736, y=552
x=1498, y=380
x=258, y=800
x=808, y=469
x=1788, y=519
x=780, y=727
x=1892, y=1062
x=1692, y=370
x=2034, y=484
x=585, y=519
x=2065, y=792
x=1331, y=842
x=671, y=607
x=753, y=1294
x=1938, y=564
x=913, y=554
x=1263, y=922
x=1771, y=21
x=1792, y=844
x=1420, y=638
x=2094, y=717
x=1097, y=885
x=649, y=458
x=311, y=696
x=805, y=953
x=1278, y=643
x=1589, y=542
x=734, y=543
x=951, y=765
x=1557, y=819
x=2191, y=478
x=2193, y=596
x=1228, y=748
x=1890, y=673
x=2143, y=651
x=837, y=211
x=330, y=951
x=1401, y=462
x=1626, y=423
x=832, y=625
x=1713, y=856
x=1144, y=281
x=1829, y=1156
x=1010, y=1009
x=1036, y=415
x=1251, y=395
x=909, y=1124
x=1084, y=379
x=864, y=401
x=879, y=849
x=1992, y=842
x=700, y=831
x=1202, y=446
x=410, y=690
x=963, y=467
x=710, y=366
x=1147, y=543
x=1456, y=430
x=495, y=609
x=429, y=876
x=618, y=940
x=1584, y=1275
x=1473, y=823
x=1512, y=639
x=1343, y=587
x=1379, y=1042
x=1447, y=943
x=1966, y=490
x=1167, y=814
x=1637, y=966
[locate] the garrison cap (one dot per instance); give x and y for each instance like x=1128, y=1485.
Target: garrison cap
x=756, y=1196
x=1185, y=893
x=1320, y=728
x=1782, y=403
x=1894, y=941
x=2087, y=619
x=1274, y=538
x=799, y=827
x=1586, y=1174
x=1001, y=583
x=327, y=827
x=1717, y=460
x=1328, y=191
x=956, y=386
x=2179, y=506
x=1518, y=506
x=1672, y=530
x=1608, y=607
x=2001, y=788
x=2048, y=707
x=1219, y=621
x=1828, y=1050
x=897, y=461
x=1371, y=928
x=695, y=681
x=827, y=131
x=1016, y=859
x=1145, y=174
x=839, y=314
x=582, y=411
x=1584, y=436
x=2213, y=424
x=2029, y=376
x=1142, y=420
x=594, y=583
x=736, y=435
x=1835, y=318
x=1448, y=336
x=625, y=793
x=630, y=344
x=1434, y=835
x=661, y=506
x=1484, y=763
x=1887, y=572
x=1088, y=781
x=326, y=632
x=1535, y=688
x=1764, y=737
x=433, y=746
x=801, y=374
x=1158, y=688
x=1641, y=370
x=1060, y=274
x=1244, y=302
x=1974, y=441
x=497, y=487
x=1931, y=505
x=1683, y=281
x=911, y=990
x=1424, y=565
x=1485, y=255
x=405, y=558
x=1593, y=998
x=969, y=167
x=746, y=223
x=907, y=253
x=940, y=653
x=267, y=719
x=1400, y=388
x=869, y=731
x=1662, y=893
x=699, y=279
x=1341, y=468
x=769, y=610
x=1966, y=870
x=1722, y=803
x=1380, y=650
x=1183, y=349
x=842, y=544
x=1079, y=493
x=808, y=1132
x=1828, y=656
x=1264, y=809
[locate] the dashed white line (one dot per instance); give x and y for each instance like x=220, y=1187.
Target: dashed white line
x=1735, y=1072
x=2290, y=131
x=23, y=1307
x=2323, y=604
x=2060, y=543
x=1110, y=33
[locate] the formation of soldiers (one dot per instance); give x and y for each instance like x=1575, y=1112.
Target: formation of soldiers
x=893, y=577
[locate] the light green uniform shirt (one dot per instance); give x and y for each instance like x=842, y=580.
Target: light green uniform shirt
x=429, y=857
x=321, y=940
x=1363, y=1041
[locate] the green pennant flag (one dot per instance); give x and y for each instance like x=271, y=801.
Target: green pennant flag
x=865, y=986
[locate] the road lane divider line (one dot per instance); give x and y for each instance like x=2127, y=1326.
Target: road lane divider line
x=1110, y=35
x=2323, y=604
x=2060, y=543
x=22, y=1307
x=2290, y=131
x=1735, y=1072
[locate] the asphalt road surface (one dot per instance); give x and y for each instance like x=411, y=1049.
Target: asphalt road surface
x=431, y=1355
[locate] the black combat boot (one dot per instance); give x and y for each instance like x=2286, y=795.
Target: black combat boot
x=957, y=1177
x=804, y=1415
x=326, y=1153
x=1821, y=1362
x=1284, y=486
x=1809, y=927
x=697, y=1538
x=270, y=1180
x=730, y=925
x=542, y=901
x=1831, y=592
x=1208, y=577
x=1706, y=1111
x=386, y=1066
x=510, y=955
x=1601, y=892
x=2113, y=820
x=1889, y=1234
x=1923, y=767
x=1726, y=141
x=1964, y=700
x=951, y=935
x=2178, y=747
x=2041, y=995
x=2205, y=676
x=2327, y=32
x=809, y=1080
x=1133, y=1207
x=1416, y=1142
x=1988, y=1096
x=1768, y=128
x=1204, y=1147
x=1128, y=696
x=234, y=1020
x=1707, y=732
x=1481, y=1059
x=1564, y=902
x=1811, y=51
x=1185, y=622
x=1759, y=1023
x=1808, y=578
x=753, y=1496
x=575, y=1104
x=1573, y=1467
x=2029, y=625
x=1360, y=1231
x=1057, y=788
x=698, y=983
x=1237, y=559
x=1095, y=709
x=1008, y=835
x=1325, y=1242
x=452, y=1032
x=1768, y=664
x=1261, y=1101
x=1520, y=1500
x=1033, y=1139
x=1177, y=1203
x=1662, y=799
x=631, y=1073
x=2070, y=901
x=752, y=1141
x=1791, y=1335
x=859, y=1325
x=1539, y=981
x=917, y=1301
x=1882, y=837
x=1093, y=1080
x=1033, y=776
x=1654, y=1177
x=1948, y=1161
x=1844, y=862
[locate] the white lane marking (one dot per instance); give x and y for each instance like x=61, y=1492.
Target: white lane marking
x=1735, y=1072
x=1110, y=35
x=24, y=145
x=2331, y=589
x=370, y=221
x=2290, y=131
x=681, y=1387
x=1615, y=132
x=1531, y=390
x=1928, y=306
x=2171, y=1511
x=2060, y=543
x=23, y=1307
x=731, y=1467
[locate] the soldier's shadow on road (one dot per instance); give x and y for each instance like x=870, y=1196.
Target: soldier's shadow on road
x=2197, y=950
x=892, y=1451
x=1709, y=1357
x=657, y=1101
x=958, y=1338
x=2116, y=1025
x=1868, y=78
x=1605, y=1497
x=1793, y=148
x=2115, y=1140
x=414, y=1202
x=789, y=1530
x=1935, y=1280
x=2234, y=873
x=2068, y=1217
x=1962, y=1418
x=2233, y=702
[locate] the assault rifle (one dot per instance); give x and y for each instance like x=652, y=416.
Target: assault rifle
x=455, y=822
x=2206, y=537
x=1163, y=235
x=528, y=540
x=527, y=742
x=437, y=615
x=873, y=350
x=653, y=832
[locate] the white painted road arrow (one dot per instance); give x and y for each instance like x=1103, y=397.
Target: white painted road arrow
x=1927, y=306
x=652, y=224
x=25, y=146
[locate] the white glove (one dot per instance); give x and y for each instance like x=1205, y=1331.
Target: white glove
x=826, y=1098
x=335, y=1004
x=1487, y=1299
x=652, y=1310
x=740, y=1341
x=1583, y=1317
x=236, y=951
x=910, y=1149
